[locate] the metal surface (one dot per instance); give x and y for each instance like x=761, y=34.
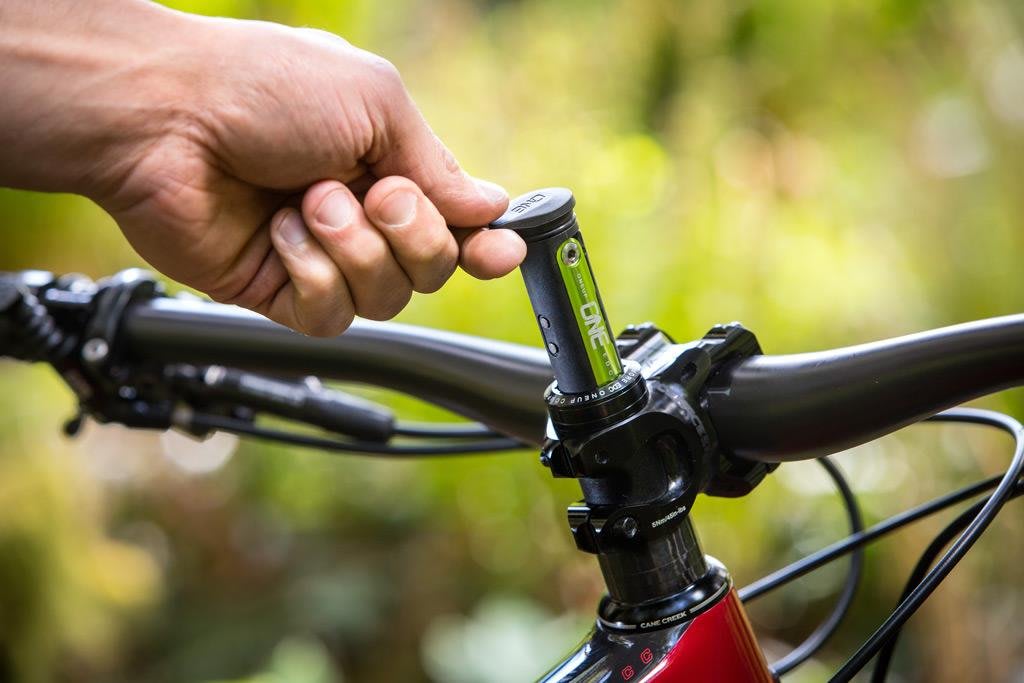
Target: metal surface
x=499, y=384
x=798, y=407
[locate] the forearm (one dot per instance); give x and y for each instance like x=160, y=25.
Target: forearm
x=83, y=85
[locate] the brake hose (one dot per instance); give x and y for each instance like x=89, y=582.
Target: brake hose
x=960, y=547
x=825, y=629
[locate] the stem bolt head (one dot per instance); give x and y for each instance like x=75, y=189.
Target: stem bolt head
x=95, y=350
x=628, y=527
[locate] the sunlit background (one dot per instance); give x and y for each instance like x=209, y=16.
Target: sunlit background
x=825, y=172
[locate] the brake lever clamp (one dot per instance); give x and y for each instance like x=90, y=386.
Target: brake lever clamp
x=111, y=388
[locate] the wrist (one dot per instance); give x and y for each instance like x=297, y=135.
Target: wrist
x=83, y=104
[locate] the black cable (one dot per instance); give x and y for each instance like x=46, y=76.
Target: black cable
x=956, y=552
x=791, y=572
x=442, y=430
x=795, y=570
x=241, y=427
x=826, y=628
x=943, y=539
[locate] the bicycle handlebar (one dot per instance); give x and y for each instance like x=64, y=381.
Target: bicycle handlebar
x=768, y=408
x=797, y=407
x=497, y=383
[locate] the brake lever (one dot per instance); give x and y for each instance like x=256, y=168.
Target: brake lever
x=305, y=401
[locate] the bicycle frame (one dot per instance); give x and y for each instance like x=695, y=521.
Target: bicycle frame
x=718, y=646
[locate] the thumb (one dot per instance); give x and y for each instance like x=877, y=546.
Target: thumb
x=414, y=151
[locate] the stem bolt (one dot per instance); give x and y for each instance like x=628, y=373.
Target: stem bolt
x=628, y=527
x=95, y=350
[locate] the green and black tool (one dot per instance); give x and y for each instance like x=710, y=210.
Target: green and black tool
x=563, y=291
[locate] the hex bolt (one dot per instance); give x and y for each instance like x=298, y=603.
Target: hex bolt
x=628, y=527
x=570, y=254
x=95, y=350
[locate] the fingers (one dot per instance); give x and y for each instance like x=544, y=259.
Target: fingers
x=411, y=149
x=346, y=259
x=380, y=287
x=419, y=237
x=316, y=300
x=488, y=253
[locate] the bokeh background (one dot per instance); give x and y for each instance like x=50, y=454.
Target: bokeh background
x=825, y=172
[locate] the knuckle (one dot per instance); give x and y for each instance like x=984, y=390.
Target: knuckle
x=320, y=282
x=315, y=280
x=234, y=288
x=368, y=256
x=441, y=268
x=318, y=35
x=434, y=282
x=330, y=325
x=448, y=160
x=380, y=76
x=248, y=298
x=259, y=292
x=383, y=70
x=436, y=246
x=386, y=305
x=320, y=328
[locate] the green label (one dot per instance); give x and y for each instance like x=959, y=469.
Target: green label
x=579, y=284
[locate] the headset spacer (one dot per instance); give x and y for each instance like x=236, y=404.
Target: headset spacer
x=608, y=403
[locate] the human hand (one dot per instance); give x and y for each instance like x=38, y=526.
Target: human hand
x=279, y=169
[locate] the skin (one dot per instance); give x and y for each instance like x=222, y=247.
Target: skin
x=280, y=169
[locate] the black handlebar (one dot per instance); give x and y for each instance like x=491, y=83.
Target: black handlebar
x=769, y=408
x=796, y=407
x=497, y=383
x=765, y=408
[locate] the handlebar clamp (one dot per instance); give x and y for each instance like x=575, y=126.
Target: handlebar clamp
x=643, y=446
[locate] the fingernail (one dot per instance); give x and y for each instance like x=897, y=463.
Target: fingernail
x=292, y=229
x=492, y=192
x=398, y=208
x=335, y=210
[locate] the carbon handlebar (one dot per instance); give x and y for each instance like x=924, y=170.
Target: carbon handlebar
x=769, y=408
x=797, y=407
x=497, y=383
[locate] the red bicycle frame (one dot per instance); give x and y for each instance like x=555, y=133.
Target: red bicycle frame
x=716, y=646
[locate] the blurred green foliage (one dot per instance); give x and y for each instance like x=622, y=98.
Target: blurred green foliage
x=826, y=172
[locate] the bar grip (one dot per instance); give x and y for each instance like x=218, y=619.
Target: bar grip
x=562, y=290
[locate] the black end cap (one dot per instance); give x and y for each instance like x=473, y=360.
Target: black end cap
x=538, y=214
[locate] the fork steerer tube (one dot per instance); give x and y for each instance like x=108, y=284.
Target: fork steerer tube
x=667, y=566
